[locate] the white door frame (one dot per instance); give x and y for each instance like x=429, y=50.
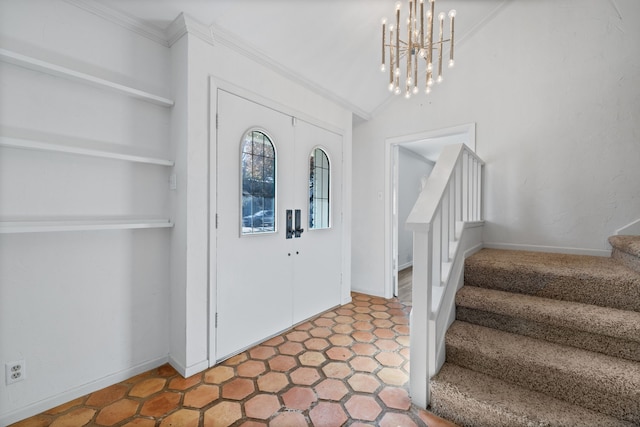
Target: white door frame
x=216, y=83
x=466, y=131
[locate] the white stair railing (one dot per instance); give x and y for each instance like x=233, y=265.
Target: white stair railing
x=449, y=204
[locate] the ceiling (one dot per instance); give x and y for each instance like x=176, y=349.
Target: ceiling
x=331, y=46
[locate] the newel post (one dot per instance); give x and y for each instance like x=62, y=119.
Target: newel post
x=420, y=336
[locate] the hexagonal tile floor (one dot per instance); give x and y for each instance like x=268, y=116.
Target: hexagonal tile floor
x=346, y=367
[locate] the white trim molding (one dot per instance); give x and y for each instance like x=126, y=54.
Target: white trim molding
x=552, y=249
x=184, y=24
x=124, y=20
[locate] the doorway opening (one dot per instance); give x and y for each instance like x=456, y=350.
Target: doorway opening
x=409, y=161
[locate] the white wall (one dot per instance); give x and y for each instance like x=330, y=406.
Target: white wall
x=554, y=88
x=84, y=309
x=411, y=169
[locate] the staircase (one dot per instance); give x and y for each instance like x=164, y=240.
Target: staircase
x=544, y=340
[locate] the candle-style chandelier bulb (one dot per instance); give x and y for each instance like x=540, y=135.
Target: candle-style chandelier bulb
x=423, y=49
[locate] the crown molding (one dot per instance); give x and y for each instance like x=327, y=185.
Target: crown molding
x=124, y=20
x=184, y=24
x=232, y=42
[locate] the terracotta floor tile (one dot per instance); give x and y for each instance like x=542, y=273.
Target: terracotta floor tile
x=251, y=368
x=391, y=419
x=395, y=397
x=180, y=383
x=37, y=421
x=339, y=353
x=223, y=414
x=116, y=412
x=201, y=396
x=388, y=345
x=218, y=374
x=291, y=348
x=289, y=419
x=363, y=336
x=261, y=352
x=343, y=328
x=282, y=363
x=328, y=414
x=273, y=382
x=166, y=371
x=160, y=404
x=141, y=422
x=348, y=366
x=107, y=395
x=312, y=358
x=76, y=418
x=344, y=319
x=331, y=389
x=262, y=406
x=275, y=341
x=236, y=360
x=341, y=340
x=383, y=323
x=320, y=332
x=338, y=370
x=299, y=398
x=237, y=389
x=390, y=359
x=403, y=340
x=147, y=387
x=365, y=383
x=365, y=364
x=182, y=418
x=305, y=376
x=304, y=326
x=392, y=376
x=363, y=407
x=323, y=322
x=316, y=344
x=364, y=349
x=298, y=336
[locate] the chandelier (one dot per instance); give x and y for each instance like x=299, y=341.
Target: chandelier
x=418, y=45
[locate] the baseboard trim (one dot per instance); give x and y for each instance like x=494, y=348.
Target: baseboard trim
x=553, y=249
x=405, y=265
x=187, y=371
x=67, y=396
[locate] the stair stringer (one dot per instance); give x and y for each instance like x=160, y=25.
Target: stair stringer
x=444, y=310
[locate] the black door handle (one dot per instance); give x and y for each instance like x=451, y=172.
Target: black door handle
x=290, y=230
x=298, y=231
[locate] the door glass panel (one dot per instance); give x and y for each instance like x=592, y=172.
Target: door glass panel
x=258, y=187
x=319, y=172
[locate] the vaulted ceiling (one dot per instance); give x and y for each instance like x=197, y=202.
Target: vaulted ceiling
x=331, y=46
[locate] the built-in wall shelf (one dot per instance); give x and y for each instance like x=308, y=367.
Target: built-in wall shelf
x=109, y=151
x=67, y=73
x=45, y=226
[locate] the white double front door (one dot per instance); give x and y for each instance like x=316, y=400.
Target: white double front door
x=266, y=280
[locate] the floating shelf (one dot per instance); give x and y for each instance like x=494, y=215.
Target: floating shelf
x=45, y=226
x=67, y=73
x=108, y=153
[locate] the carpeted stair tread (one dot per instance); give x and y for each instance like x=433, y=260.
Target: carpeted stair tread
x=606, y=330
x=587, y=279
x=626, y=250
x=471, y=398
x=595, y=381
x=628, y=244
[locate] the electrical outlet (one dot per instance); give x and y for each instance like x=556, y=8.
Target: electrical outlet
x=15, y=371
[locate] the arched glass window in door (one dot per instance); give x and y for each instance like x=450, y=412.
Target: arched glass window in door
x=258, y=184
x=319, y=177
